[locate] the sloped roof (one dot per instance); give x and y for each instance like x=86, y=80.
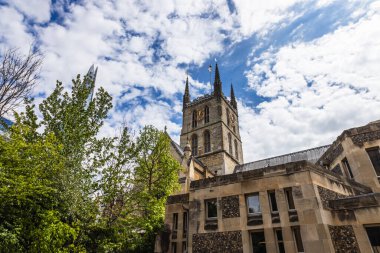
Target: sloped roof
x=312, y=155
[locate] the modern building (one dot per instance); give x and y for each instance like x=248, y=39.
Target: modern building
x=324, y=199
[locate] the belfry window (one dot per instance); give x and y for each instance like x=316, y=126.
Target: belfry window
x=236, y=150
x=230, y=143
x=206, y=138
x=207, y=114
x=194, y=121
x=228, y=116
x=194, y=145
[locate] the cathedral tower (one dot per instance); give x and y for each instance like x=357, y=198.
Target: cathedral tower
x=210, y=123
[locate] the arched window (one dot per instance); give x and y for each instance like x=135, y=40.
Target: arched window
x=236, y=150
x=207, y=114
x=230, y=143
x=228, y=116
x=194, y=145
x=194, y=122
x=206, y=138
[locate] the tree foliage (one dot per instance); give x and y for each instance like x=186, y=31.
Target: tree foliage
x=64, y=189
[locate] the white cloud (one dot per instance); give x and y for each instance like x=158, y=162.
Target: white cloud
x=316, y=90
x=37, y=10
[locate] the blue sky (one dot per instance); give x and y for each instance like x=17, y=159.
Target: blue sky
x=303, y=71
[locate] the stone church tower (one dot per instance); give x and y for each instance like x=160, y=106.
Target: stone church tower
x=210, y=124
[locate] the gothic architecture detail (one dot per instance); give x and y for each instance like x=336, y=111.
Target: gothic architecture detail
x=323, y=199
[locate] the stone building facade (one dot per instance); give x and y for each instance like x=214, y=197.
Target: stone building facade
x=324, y=199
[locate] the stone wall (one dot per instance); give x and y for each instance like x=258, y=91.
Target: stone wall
x=343, y=239
x=218, y=242
x=327, y=195
x=359, y=139
x=230, y=207
x=178, y=199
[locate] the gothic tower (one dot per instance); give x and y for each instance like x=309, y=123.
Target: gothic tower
x=210, y=123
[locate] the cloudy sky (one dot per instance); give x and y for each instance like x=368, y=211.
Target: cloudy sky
x=303, y=71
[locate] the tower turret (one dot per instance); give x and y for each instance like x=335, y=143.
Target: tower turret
x=217, y=83
x=186, y=95
x=233, y=99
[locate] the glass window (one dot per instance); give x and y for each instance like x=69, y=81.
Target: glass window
x=280, y=241
x=347, y=166
x=298, y=239
x=184, y=224
x=258, y=242
x=230, y=143
x=337, y=170
x=374, y=237
x=175, y=221
x=207, y=143
x=194, y=121
x=184, y=247
x=289, y=198
x=207, y=114
x=194, y=145
x=253, y=204
x=174, y=247
x=374, y=155
x=211, y=209
x=236, y=150
x=272, y=201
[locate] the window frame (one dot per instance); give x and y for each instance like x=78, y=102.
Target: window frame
x=278, y=242
x=207, y=141
x=207, y=114
x=297, y=238
x=377, y=170
x=175, y=221
x=185, y=224
x=207, y=207
x=289, y=201
x=194, y=148
x=247, y=196
x=347, y=168
x=194, y=122
x=230, y=151
x=271, y=202
x=251, y=239
x=236, y=149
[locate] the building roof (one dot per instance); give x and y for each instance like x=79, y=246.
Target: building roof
x=312, y=155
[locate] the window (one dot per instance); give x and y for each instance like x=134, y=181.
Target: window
x=228, y=116
x=234, y=128
x=236, y=150
x=258, y=242
x=184, y=247
x=289, y=198
x=347, y=167
x=374, y=237
x=194, y=121
x=337, y=170
x=194, y=145
x=374, y=155
x=207, y=114
x=207, y=144
x=298, y=239
x=230, y=143
x=272, y=201
x=174, y=247
x=279, y=240
x=184, y=224
x=175, y=221
x=211, y=209
x=253, y=204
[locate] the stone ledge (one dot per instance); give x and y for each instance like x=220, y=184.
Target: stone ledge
x=178, y=199
x=356, y=202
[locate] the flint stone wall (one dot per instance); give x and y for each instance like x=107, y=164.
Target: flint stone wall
x=218, y=242
x=344, y=240
x=230, y=207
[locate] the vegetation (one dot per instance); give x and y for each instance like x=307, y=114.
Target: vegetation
x=64, y=189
